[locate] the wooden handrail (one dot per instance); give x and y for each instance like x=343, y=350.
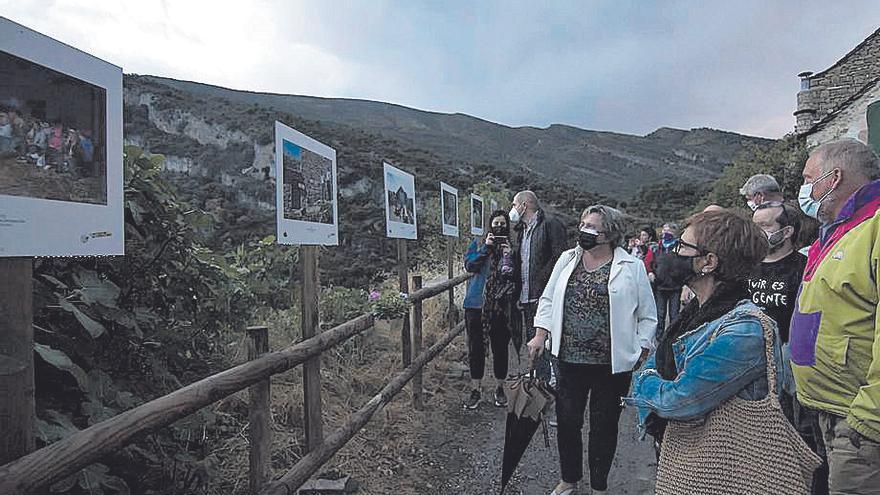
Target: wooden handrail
x=311, y=463
x=64, y=457
x=432, y=290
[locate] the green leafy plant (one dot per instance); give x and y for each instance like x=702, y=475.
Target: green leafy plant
x=388, y=305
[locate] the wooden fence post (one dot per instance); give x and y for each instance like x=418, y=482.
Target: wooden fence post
x=403, y=275
x=312, y=367
x=417, y=399
x=450, y=272
x=259, y=415
x=16, y=358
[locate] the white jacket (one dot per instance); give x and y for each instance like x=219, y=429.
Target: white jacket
x=633, y=311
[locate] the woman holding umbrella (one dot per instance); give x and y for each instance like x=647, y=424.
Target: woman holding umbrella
x=600, y=316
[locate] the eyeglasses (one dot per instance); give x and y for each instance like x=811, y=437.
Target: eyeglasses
x=678, y=243
x=771, y=204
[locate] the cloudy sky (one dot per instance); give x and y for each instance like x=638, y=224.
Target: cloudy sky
x=627, y=66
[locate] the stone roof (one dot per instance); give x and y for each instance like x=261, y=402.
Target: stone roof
x=838, y=86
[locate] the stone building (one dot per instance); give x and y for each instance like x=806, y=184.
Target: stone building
x=844, y=99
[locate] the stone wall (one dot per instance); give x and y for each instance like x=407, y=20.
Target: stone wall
x=851, y=122
x=833, y=86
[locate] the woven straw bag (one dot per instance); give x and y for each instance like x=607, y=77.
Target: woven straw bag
x=742, y=447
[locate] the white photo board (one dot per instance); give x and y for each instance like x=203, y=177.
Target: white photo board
x=305, y=189
x=449, y=209
x=60, y=148
x=493, y=206
x=400, y=203
x=477, y=214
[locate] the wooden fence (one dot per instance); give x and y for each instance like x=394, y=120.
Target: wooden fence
x=41, y=468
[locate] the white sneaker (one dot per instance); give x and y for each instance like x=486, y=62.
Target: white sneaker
x=564, y=488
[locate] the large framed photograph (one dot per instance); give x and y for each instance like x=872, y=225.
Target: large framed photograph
x=477, y=214
x=400, y=203
x=305, y=189
x=60, y=148
x=449, y=209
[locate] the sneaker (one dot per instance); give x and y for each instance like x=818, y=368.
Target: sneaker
x=564, y=488
x=500, y=398
x=473, y=401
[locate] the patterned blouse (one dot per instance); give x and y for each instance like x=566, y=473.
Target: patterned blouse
x=586, y=327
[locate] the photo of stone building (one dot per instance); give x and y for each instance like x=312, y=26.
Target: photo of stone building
x=308, y=185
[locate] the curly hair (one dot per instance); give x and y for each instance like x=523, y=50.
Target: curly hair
x=739, y=243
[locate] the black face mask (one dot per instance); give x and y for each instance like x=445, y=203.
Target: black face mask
x=587, y=240
x=499, y=231
x=680, y=269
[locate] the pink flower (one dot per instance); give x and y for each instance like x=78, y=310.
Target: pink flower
x=375, y=295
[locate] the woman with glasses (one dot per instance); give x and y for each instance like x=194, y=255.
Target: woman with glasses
x=716, y=348
x=599, y=313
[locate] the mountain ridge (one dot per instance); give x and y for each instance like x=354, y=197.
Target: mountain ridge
x=558, y=151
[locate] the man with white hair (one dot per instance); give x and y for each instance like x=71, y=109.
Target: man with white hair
x=760, y=189
x=835, y=329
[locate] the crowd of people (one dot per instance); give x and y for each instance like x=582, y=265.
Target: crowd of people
x=748, y=344
x=46, y=145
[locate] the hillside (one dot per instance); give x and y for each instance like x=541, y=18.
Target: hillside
x=592, y=161
x=219, y=146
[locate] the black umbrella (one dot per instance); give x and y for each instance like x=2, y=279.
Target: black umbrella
x=527, y=398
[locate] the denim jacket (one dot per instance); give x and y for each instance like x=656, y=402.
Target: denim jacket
x=715, y=361
x=475, y=261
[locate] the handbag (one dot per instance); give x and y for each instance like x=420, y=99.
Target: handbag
x=741, y=447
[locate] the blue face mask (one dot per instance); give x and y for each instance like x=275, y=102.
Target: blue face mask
x=808, y=205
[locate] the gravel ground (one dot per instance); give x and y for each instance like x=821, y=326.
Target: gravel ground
x=461, y=451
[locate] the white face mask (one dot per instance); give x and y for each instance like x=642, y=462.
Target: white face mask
x=752, y=205
x=808, y=205
x=514, y=215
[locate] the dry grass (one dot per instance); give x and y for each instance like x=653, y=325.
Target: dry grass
x=351, y=374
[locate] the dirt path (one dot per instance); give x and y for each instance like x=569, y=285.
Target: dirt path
x=463, y=450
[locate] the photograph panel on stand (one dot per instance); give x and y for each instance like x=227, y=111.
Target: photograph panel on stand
x=493, y=206
x=400, y=203
x=449, y=209
x=305, y=189
x=61, y=190
x=477, y=214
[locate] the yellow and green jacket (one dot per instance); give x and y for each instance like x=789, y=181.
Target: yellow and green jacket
x=835, y=331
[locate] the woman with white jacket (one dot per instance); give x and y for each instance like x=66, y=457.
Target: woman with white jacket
x=599, y=314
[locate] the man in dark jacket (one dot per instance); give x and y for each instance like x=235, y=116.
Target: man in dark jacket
x=667, y=291
x=539, y=239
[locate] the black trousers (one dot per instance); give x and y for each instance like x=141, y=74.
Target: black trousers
x=578, y=383
x=499, y=338
x=668, y=302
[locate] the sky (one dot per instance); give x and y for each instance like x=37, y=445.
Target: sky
x=625, y=66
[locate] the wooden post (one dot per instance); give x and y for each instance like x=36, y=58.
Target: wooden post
x=403, y=275
x=259, y=414
x=16, y=358
x=417, y=399
x=312, y=368
x=450, y=272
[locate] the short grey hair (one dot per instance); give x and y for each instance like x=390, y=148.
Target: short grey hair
x=850, y=155
x=613, y=222
x=760, y=183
